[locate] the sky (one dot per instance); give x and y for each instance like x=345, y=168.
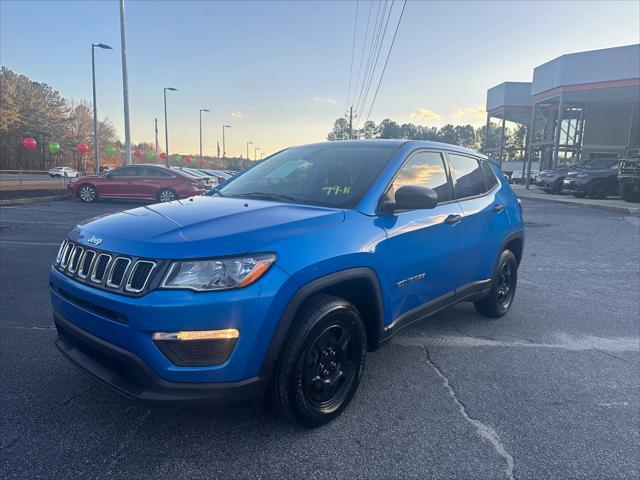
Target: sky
x=278, y=72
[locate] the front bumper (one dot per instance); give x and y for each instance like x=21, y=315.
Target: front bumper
x=570, y=185
x=128, y=375
x=128, y=323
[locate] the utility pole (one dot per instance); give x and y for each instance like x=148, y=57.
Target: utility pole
x=224, y=145
x=125, y=89
x=156, y=130
x=351, y=115
x=201, y=110
x=248, y=143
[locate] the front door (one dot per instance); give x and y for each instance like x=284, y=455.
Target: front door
x=423, y=245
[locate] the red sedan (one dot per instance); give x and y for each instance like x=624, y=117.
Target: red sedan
x=147, y=182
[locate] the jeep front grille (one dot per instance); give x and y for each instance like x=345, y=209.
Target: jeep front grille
x=119, y=273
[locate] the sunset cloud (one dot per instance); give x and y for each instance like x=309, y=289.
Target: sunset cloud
x=478, y=111
x=325, y=100
x=425, y=114
x=236, y=114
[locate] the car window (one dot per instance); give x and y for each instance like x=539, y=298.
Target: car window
x=157, y=172
x=600, y=164
x=425, y=169
x=490, y=177
x=468, y=177
x=327, y=174
x=122, y=172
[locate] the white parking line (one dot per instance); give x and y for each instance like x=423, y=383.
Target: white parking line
x=30, y=243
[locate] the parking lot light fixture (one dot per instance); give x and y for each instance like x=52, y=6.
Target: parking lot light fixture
x=255, y=153
x=95, y=107
x=166, y=129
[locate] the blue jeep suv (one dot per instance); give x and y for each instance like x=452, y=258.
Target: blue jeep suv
x=278, y=282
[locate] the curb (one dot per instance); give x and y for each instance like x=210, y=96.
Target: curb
x=612, y=208
x=27, y=201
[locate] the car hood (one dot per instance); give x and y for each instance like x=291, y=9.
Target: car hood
x=203, y=227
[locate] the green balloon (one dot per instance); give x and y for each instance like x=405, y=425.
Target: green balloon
x=54, y=147
x=110, y=150
x=151, y=155
x=177, y=157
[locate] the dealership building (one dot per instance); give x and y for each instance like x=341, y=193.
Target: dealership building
x=578, y=106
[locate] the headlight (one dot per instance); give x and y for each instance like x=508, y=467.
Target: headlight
x=218, y=274
x=582, y=175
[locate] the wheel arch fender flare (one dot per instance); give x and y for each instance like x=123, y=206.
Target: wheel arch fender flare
x=319, y=285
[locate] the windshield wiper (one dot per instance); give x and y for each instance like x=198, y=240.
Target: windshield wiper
x=266, y=196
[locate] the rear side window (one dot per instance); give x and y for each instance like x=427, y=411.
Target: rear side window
x=157, y=172
x=490, y=177
x=425, y=169
x=468, y=176
x=124, y=172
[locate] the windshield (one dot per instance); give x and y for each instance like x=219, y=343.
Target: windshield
x=329, y=175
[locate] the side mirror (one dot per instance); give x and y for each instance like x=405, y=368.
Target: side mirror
x=412, y=197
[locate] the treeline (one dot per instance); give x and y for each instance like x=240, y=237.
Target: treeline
x=462, y=135
x=33, y=109
x=36, y=110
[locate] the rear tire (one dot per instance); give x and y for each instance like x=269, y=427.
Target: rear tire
x=320, y=365
x=556, y=188
x=629, y=194
x=503, y=287
x=166, y=195
x=87, y=193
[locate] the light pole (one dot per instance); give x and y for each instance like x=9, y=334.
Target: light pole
x=224, y=148
x=125, y=88
x=255, y=153
x=95, y=107
x=248, y=143
x=201, y=110
x=166, y=129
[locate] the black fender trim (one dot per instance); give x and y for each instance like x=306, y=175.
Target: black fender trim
x=303, y=293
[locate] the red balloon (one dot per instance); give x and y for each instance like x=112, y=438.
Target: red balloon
x=29, y=143
x=82, y=148
x=188, y=159
x=137, y=153
x=201, y=161
x=163, y=156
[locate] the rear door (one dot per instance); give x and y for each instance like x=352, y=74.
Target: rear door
x=422, y=245
x=485, y=222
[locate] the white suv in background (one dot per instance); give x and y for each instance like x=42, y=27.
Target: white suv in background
x=63, y=172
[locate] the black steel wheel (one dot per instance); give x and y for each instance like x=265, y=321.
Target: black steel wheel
x=319, y=367
x=503, y=287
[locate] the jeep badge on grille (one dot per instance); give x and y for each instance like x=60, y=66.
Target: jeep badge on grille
x=95, y=240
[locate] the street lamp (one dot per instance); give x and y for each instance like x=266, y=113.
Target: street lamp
x=202, y=110
x=255, y=153
x=166, y=129
x=248, y=143
x=224, y=149
x=95, y=107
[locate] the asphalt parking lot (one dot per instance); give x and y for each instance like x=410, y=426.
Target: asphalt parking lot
x=549, y=391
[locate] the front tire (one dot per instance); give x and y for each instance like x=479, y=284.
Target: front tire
x=503, y=289
x=166, y=195
x=87, y=193
x=319, y=368
x=598, y=190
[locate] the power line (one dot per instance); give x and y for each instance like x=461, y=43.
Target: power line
x=366, y=35
x=377, y=56
x=375, y=96
x=353, y=49
x=374, y=39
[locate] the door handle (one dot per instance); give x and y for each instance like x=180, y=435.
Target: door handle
x=453, y=219
x=498, y=207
